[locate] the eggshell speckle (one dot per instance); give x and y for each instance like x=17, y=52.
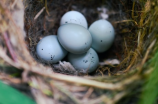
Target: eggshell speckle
x=103, y=35
x=74, y=17
x=74, y=38
x=88, y=61
x=49, y=50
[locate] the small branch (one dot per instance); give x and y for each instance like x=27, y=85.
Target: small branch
x=9, y=46
x=88, y=94
x=10, y=79
x=86, y=82
x=65, y=91
x=147, y=54
x=39, y=13
x=126, y=21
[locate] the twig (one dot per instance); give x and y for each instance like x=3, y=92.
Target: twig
x=39, y=13
x=65, y=91
x=102, y=99
x=10, y=79
x=46, y=7
x=118, y=97
x=126, y=21
x=89, y=92
x=146, y=54
x=86, y=82
x=139, y=34
x=9, y=46
x=6, y=58
x=14, y=3
x=132, y=62
x=106, y=100
x=133, y=9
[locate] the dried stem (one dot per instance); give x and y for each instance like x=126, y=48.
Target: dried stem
x=9, y=46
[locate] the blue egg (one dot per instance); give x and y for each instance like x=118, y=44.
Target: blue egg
x=88, y=61
x=74, y=38
x=103, y=35
x=74, y=17
x=48, y=49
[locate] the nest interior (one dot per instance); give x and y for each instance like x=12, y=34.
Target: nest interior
x=40, y=24
x=134, y=46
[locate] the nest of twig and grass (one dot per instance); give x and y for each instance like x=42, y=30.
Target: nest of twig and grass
x=24, y=23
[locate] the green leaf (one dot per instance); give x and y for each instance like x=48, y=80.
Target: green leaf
x=150, y=92
x=9, y=95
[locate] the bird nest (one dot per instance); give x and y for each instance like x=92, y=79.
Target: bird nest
x=123, y=69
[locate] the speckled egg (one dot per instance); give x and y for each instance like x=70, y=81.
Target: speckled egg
x=88, y=61
x=103, y=35
x=74, y=17
x=49, y=50
x=74, y=38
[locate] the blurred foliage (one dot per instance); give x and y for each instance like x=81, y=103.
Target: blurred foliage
x=11, y=96
x=150, y=23
x=150, y=91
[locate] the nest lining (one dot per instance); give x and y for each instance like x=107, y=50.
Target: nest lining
x=47, y=23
